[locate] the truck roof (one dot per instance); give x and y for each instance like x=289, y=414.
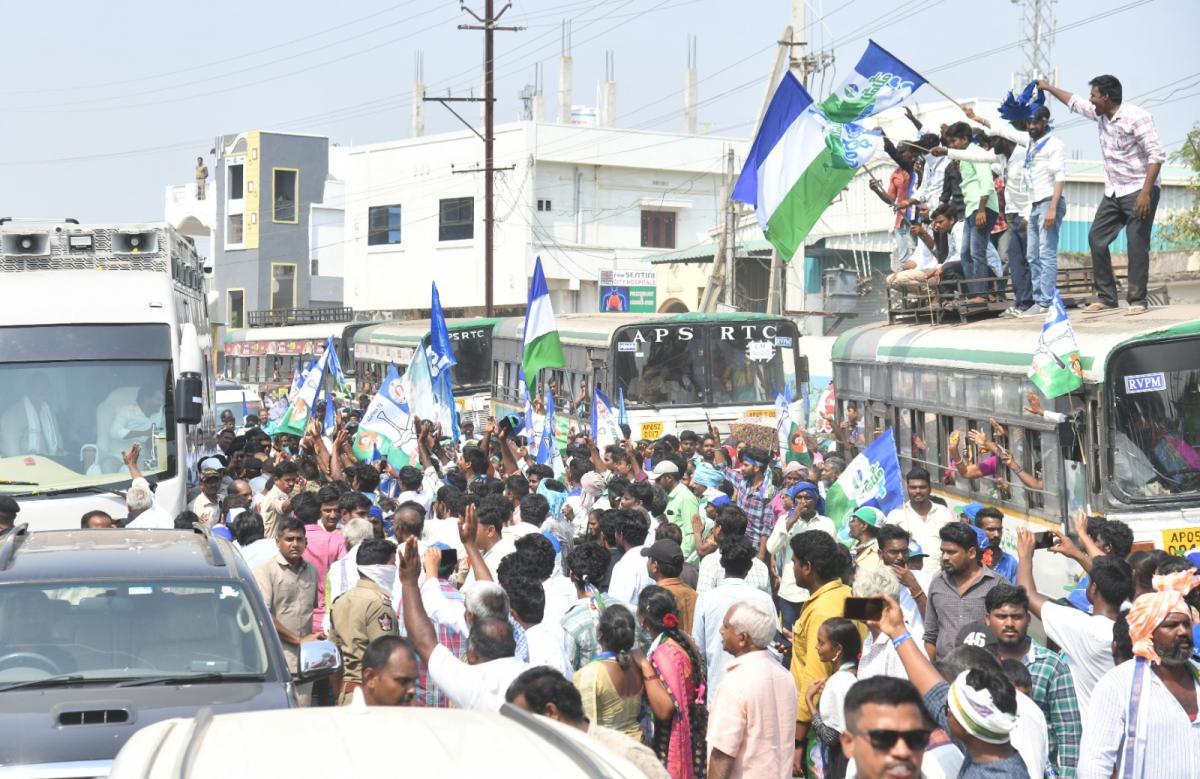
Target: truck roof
x=105, y=297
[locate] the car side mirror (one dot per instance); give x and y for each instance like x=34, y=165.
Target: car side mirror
x=318, y=659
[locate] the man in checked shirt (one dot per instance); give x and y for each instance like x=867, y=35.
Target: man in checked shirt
x=1133, y=158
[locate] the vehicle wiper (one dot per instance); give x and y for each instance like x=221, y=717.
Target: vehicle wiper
x=86, y=488
x=189, y=678
x=47, y=681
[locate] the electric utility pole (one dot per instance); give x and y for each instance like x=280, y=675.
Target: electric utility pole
x=487, y=23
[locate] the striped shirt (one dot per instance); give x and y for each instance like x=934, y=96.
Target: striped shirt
x=1053, y=691
x=428, y=694
x=1128, y=143
x=756, y=503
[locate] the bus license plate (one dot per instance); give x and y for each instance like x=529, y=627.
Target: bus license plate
x=1180, y=541
x=761, y=412
x=652, y=431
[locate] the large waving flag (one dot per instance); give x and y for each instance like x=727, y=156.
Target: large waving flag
x=386, y=428
x=1056, y=368
x=302, y=402
x=547, y=453
x=423, y=399
x=878, y=82
x=542, y=346
x=606, y=427
x=441, y=359
x=335, y=365
x=871, y=479
x=799, y=162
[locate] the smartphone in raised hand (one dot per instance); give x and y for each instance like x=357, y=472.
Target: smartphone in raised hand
x=863, y=609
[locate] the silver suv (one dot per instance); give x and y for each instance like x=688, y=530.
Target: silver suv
x=103, y=632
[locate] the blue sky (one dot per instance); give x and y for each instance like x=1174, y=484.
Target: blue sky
x=106, y=103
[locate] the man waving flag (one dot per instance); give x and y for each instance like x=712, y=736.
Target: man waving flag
x=441, y=360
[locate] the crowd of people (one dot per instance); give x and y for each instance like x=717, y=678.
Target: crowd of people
x=688, y=604
x=979, y=205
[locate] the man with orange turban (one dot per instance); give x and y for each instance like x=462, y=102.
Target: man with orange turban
x=1143, y=718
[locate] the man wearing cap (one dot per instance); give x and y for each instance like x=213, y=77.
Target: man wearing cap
x=9, y=509
x=804, y=516
x=682, y=505
x=665, y=563
x=207, y=504
x=1154, y=696
x=864, y=529
x=364, y=612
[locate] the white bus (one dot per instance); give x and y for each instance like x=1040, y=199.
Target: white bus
x=104, y=341
x=1127, y=452
x=675, y=371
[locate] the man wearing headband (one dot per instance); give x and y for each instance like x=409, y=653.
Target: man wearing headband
x=978, y=709
x=753, y=492
x=804, y=516
x=1152, y=697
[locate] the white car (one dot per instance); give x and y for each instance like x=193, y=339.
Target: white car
x=230, y=397
x=366, y=741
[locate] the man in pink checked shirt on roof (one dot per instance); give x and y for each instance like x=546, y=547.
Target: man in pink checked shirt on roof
x=325, y=544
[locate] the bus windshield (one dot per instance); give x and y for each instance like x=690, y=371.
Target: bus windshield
x=1156, y=420
x=64, y=423
x=714, y=363
x=473, y=350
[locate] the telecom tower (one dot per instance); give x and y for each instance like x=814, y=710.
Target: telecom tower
x=1038, y=25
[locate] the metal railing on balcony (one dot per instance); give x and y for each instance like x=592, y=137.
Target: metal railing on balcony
x=280, y=317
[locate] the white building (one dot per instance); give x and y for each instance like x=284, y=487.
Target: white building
x=585, y=199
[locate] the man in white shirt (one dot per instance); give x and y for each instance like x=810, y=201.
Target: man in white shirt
x=546, y=641
x=920, y=517
x=731, y=523
x=1086, y=639
x=493, y=513
x=629, y=575
x=143, y=511
x=802, y=518
x=31, y=425
x=136, y=421
x=712, y=606
x=412, y=484
x=481, y=680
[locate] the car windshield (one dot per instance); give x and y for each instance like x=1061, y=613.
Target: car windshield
x=127, y=630
x=1156, y=421
x=473, y=352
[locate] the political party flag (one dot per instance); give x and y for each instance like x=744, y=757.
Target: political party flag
x=423, y=400
x=441, y=358
x=871, y=479
x=300, y=407
x=622, y=417
x=245, y=408
x=335, y=365
x=542, y=348
x=1022, y=107
x=799, y=162
x=297, y=380
x=605, y=427
x=387, y=426
x=546, y=447
x=1056, y=368
x=525, y=401
x=789, y=427
x=878, y=82
x=330, y=421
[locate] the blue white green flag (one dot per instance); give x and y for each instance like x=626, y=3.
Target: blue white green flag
x=871, y=479
x=387, y=427
x=302, y=401
x=542, y=347
x=878, y=82
x=1056, y=368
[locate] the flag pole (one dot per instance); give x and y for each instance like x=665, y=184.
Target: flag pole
x=937, y=89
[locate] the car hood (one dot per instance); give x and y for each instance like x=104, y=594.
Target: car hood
x=38, y=725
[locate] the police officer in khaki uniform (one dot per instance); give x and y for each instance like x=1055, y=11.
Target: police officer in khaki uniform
x=364, y=612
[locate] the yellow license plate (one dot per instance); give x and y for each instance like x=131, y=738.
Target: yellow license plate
x=652, y=431
x=1180, y=541
x=761, y=412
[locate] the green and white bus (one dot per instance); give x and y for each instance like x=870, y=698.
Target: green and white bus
x=675, y=371
x=375, y=346
x=1127, y=451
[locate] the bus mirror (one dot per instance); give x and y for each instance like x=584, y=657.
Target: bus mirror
x=189, y=399
x=802, y=370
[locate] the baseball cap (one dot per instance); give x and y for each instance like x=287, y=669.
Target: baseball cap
x=977, y=634
x=719, y=500
x=969, y=510
x=210, y=465
x=915, y=550
x=869, y=515
x=441, y=546
x=8, y=505
x=665, y=467
x=664, y=550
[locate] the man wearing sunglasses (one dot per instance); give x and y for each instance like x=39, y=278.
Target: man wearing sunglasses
x=886, y=729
